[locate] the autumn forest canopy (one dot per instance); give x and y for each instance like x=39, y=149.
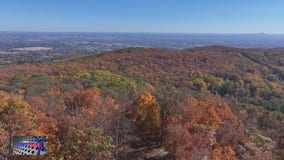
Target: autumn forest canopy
x=213, y=102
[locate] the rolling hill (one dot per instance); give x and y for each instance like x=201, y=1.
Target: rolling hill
x=213, y=102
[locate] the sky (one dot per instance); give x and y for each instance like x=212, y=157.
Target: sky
x=161, y=16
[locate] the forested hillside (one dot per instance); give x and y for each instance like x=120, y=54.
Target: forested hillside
x=210, y=102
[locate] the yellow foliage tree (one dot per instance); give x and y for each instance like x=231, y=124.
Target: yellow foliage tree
x=147, y=116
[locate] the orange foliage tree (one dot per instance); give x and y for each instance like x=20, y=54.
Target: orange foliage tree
x=198, y=125
x=79, y=100
x=15, y=120
x=224, y=153
x=147, y=116
x=87, y=119
x=45, y=124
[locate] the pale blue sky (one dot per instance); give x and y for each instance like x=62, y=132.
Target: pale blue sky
x=174, y=16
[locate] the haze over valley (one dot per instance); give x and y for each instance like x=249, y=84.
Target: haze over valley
x=42, y=47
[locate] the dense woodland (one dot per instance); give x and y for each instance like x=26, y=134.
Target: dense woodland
x=214, y=102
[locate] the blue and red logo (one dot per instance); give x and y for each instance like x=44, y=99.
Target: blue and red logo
x=29, y=145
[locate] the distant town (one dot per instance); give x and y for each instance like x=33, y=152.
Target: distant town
x=36, y=47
